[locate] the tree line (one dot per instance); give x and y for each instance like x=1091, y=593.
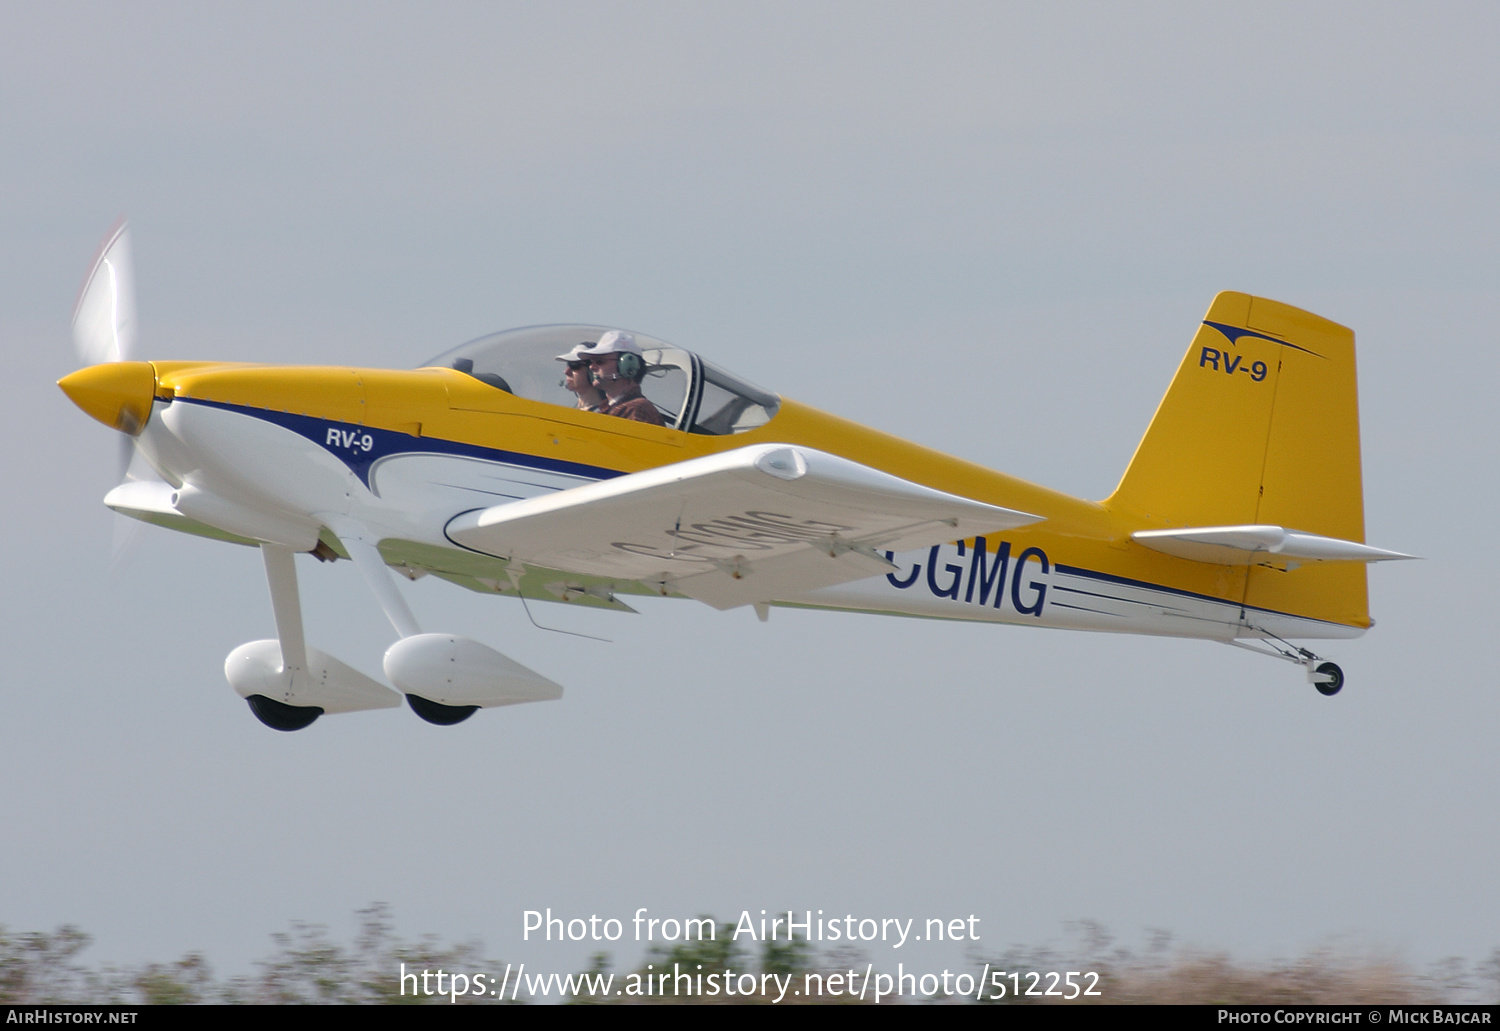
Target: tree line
x=307, y=966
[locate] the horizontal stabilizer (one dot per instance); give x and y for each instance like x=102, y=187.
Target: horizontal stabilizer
x=1247, y=545
x=756, y=524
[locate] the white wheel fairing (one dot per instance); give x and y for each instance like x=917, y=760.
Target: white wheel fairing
x=255, y=668
x=458, y=671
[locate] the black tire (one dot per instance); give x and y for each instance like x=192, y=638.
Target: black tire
x=437, y=712
x=281, y=716
x=1330, y=687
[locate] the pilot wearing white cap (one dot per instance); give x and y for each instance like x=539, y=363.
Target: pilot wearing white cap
x=617, y=367
x=576, y=378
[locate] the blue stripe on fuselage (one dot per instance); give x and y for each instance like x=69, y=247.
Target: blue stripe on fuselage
x=1147, y=586
x=359, y=447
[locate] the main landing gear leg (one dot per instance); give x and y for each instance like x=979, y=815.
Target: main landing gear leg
x=286, y=682
x=281, y=575
x=1326, y=676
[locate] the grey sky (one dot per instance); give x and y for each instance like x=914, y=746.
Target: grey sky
x=988, y=228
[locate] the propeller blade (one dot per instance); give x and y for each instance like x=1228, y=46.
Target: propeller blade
x=133, y=468
x=104, y=318
x=124, y=458
x=104, y=332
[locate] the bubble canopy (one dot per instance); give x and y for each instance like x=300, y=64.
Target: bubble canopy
x=691, y=394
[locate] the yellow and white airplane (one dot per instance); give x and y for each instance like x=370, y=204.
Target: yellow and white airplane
x=1239, y=519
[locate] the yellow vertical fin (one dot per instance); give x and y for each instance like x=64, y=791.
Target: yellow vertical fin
x=1261, y=425
x=1200, y=461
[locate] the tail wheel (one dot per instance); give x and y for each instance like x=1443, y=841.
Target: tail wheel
x=281, y=716
x=1333, y=686
x=436, y=712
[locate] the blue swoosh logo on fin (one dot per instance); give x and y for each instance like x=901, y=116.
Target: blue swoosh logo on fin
x=1233, y=333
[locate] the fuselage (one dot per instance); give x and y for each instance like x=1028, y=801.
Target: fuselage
x=257, y=452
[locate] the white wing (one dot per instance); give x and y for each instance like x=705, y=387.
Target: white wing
x=751, y=525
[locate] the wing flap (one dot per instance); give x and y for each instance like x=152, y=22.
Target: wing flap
x=1247, y=545
x=754, y=524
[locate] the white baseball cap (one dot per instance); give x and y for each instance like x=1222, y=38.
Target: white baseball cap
x=613, y=342
x=575, y=355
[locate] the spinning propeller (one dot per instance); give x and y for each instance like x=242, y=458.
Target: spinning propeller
x=111, y=387
x=104, y=318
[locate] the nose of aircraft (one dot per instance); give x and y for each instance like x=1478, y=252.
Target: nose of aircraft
x=118, y=394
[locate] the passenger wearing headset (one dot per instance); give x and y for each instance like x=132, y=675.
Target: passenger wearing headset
x=617, y=367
